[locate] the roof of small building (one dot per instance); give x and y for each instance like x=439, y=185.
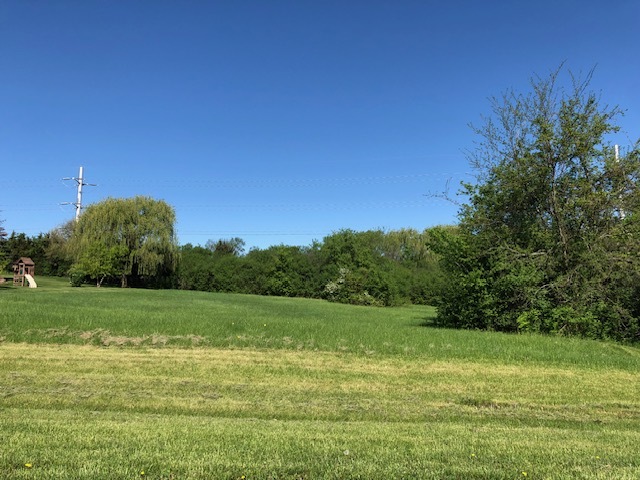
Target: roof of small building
x=24, y=261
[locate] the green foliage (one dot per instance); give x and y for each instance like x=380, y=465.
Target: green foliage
x=358, y=273
x=362, y=268
x=195, y=270
x=57, y=253
x=132, y=238
x=98, y=261
x=233, y=246
x=77, y=276
x=378, y=268
x=282, y=270
x=48, y=251
x=548, y=241
x=20, y=245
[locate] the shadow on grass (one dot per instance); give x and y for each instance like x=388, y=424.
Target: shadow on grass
x=431, y=321
x=8, y=281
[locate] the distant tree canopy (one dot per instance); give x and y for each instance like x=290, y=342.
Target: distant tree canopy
x=549, y=240
x=233, y=246
x=364, y=268
x=18, y=245
x=367, y=268
x=130, y=238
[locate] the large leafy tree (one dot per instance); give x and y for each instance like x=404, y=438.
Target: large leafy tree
x=548, y=240
x=131, y=238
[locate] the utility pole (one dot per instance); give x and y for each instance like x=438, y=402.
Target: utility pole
x=80, y=181
x=616, y=150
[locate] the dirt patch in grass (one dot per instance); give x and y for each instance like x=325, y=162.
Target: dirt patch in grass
x=106, y=338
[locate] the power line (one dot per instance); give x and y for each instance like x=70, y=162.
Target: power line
x=313, y=206
x=248, y=234
x=259, y=206
x=280, y=181
x=261, y=182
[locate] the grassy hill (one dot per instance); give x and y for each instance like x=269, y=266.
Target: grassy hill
x=111, y=383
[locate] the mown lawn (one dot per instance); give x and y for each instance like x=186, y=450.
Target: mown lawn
x=110, y=383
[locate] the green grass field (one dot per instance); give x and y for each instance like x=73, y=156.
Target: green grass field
x=111, y=383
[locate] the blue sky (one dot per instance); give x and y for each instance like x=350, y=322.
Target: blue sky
x=278, y=121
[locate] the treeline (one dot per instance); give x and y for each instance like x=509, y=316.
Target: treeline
x=47, y=250
x=376, y=267
x=362, y=268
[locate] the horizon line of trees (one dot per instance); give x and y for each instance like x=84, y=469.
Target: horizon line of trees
x=375, y=267
x=372, y=267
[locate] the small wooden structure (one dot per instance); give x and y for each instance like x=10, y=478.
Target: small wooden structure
x=21, y=268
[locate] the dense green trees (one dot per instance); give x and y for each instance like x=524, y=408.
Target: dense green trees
x=46, y=250
x=58, y=258
x=132, y=239
x=195, y=269
x=549, y=239
x=282, y=270
x=365, y=268
x=18, y=245
x=358, y=270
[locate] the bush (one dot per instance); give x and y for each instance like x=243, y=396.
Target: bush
x=77, y=277
x=549, y=239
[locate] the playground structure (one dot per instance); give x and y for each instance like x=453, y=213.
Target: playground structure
x=24, y=270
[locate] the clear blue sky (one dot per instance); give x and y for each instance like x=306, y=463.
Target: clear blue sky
x=278, y=121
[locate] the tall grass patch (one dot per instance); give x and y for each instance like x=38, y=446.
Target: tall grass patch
x=119, y=317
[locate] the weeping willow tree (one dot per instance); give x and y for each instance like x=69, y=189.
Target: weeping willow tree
x=129, y=238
